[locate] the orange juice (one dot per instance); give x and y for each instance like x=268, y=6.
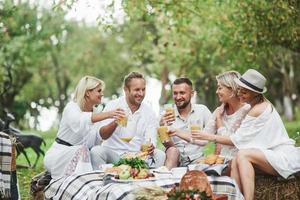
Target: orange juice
x=195, y=127
x=170, y=110
x=163, y=134
x=145, y=147
x=122, y=121
x=126, y=139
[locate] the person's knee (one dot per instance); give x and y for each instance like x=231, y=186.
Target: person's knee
x=245, y=155
x=97, y=154
x=160, y=157
x=95, y=151
x=173, y=152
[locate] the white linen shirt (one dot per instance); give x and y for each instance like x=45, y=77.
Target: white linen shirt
x=141, y=124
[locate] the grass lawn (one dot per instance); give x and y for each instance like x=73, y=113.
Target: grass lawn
x=25, y=174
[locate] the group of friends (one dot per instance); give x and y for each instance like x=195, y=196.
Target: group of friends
x=246, y=128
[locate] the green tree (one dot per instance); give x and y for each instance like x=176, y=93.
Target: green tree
x=268, y=35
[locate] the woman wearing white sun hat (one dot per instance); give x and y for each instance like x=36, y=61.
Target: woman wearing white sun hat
x=262, y=139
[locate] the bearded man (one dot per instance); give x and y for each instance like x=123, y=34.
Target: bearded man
x=127, y=137
x=179, y=152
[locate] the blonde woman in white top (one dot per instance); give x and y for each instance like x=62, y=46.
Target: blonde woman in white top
x=261, y=138
x=230, y=113
x=77, y=131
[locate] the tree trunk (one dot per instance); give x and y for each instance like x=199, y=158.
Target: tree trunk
x=288, y=108
x=164, y=78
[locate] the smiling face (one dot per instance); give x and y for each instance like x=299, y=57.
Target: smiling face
x=182, y=94
x=94, y=95
x=224, y=93
x=246, y=95
x=135, y=91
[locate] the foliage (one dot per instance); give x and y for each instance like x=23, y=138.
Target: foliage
x=201, y=39
x=42, y=56
x=177, y=194
x=25, y=174
x=133, y=162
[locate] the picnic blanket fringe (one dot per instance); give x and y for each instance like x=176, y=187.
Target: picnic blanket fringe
x=5, y=165
x=5, y=193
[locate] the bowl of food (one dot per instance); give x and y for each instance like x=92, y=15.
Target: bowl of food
x=130, y=169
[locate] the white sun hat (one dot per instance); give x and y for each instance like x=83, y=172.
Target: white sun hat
x=252, y=80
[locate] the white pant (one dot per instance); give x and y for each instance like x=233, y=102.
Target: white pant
x=103, y=155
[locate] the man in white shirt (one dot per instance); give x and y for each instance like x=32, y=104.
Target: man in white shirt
x=141, y=126
x=179, y=152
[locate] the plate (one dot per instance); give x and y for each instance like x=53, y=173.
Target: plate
x=198, y=166
x=161, y=170
x=132, y=180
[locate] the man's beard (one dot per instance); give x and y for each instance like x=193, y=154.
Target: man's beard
x=136, y=102
x=184, y=105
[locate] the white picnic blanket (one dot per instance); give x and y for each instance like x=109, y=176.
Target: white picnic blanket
x=95, y=185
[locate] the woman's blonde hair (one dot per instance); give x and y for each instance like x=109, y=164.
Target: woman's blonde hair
x=86, y=83
x=227, y=79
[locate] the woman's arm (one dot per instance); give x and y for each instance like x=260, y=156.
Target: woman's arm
x=116, y=114
x=200, y=135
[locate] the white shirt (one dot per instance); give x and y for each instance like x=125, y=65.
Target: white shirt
x=77, y=128
x=265, y=131
x=199, y=115
x=231, y=124
x=268, y=134
x=141, y=125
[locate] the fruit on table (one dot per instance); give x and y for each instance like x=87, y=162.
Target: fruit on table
x=125, y=174
x=143, y=174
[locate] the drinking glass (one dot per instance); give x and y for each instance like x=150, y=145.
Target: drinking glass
x=163, y=134
x=146, y=145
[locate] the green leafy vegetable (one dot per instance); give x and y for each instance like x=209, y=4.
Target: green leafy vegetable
x=176, y=194
x=133, y=162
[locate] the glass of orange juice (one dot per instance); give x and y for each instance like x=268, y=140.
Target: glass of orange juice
x=195, y=127
x=163, y=134
x=169, y=109
x=146, y=145
x=122, y=121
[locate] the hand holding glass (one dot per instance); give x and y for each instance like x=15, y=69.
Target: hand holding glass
x=146, y=145
x=169, y=114
x=122, y=120
x=195, y=127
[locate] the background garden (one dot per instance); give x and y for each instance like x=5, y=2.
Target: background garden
x=43, y=53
